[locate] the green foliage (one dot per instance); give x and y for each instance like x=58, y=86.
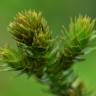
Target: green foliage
x=39, y=54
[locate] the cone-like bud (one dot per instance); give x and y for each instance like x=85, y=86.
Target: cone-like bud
x=11, y=57
x=76, y=39
x=31, y=32
x=30, y=28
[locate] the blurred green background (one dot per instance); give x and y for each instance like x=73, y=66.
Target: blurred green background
x=57, y=12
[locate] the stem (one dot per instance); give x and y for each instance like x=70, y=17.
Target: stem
x=66, y=84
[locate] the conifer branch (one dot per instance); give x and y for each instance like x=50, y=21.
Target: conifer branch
x=51, y=61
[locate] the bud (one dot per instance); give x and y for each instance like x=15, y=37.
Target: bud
x=30, y=28
x=11, y=57
x=81, y=30
x=31, y=32
x=76, y=39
